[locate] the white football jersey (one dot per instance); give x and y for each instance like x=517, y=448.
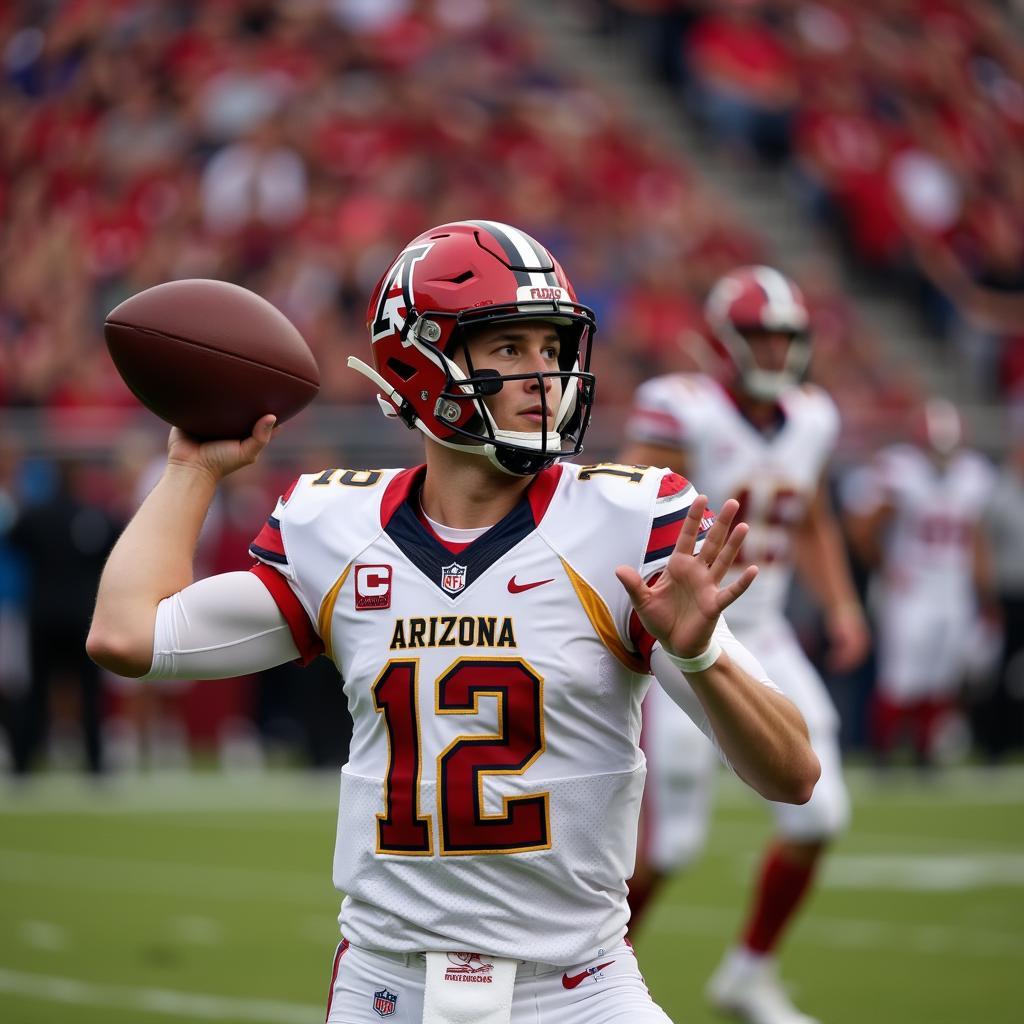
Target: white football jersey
x=925, y=605
x=929, y=544
x=491, y=795
x=774, y=476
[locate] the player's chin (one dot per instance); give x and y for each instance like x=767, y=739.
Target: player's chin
x=531, y=422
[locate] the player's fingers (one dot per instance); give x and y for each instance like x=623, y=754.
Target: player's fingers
x=727, y=513
x=260, y=437
x=632, y=581
x=264, y=427
x=728, y=594
x=730, y=549
x=691, y=525
x=719, y=532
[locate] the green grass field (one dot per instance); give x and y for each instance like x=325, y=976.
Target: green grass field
x=208, y=898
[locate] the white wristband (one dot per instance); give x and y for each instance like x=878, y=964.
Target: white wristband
x=705, y=660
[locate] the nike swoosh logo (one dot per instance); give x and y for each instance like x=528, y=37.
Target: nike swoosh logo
x=518, y=588
x=574, y=980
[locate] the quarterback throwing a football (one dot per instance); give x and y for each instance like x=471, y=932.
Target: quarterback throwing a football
x=495, y=621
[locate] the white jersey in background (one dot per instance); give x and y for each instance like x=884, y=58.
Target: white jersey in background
x=926, y=606
x=928, y=550
x=775, y=477
x=494, y=780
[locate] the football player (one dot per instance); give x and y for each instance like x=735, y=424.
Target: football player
x=494, y=615
x=764, y=437
x=916, y=514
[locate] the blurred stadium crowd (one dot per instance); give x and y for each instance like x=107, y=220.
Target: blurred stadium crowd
x=901, y=124
x=293, y=147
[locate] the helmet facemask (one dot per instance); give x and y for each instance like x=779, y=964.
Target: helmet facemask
x=758, y=382
x=519, y=453
x=758, y=301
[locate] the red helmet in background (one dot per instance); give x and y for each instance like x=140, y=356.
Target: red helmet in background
x=444, y=283
x=757, y=300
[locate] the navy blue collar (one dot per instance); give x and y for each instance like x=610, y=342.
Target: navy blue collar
x=438, y=564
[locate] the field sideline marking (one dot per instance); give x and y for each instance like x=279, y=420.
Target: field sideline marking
x=965, y=845
x=954, y=872
x=155, y=1000
x=680, y=918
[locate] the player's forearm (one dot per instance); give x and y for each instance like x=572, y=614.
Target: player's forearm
x=151, y=560
x=760, y=731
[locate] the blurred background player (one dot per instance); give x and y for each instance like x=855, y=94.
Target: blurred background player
x=66, y=537
x=916, y=515
x=762, y=436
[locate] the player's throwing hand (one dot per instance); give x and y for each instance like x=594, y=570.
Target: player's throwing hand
x=681, y=607
x=219, y=458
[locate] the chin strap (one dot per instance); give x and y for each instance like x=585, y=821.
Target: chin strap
x=765, y=385
x=394, y=406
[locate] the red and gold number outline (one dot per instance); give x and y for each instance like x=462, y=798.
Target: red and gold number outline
x=401, y=828
x=349, y=477
x=462, y=767
x=634, y=474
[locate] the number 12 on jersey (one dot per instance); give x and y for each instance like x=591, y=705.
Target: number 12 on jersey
x=462, y=767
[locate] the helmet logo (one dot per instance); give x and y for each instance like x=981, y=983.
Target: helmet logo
x=530, y=293
x=396, y=293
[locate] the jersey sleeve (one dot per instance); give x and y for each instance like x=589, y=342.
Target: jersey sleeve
x=827, y=413
x=657, y=416
x=268, y=545
x=219, y=627
x=672, y=505
x=276, y=571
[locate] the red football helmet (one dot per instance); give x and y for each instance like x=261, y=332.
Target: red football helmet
x=757, y=300
x=459, y=276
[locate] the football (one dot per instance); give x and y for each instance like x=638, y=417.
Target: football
x=210, y=357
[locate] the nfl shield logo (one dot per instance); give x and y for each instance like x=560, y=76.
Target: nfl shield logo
x=384, y=1002
x=453, y=577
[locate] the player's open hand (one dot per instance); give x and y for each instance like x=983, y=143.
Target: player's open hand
x=681, y=607
x=219, y=458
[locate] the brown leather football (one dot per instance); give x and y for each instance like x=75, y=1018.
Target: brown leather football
x=210, y=357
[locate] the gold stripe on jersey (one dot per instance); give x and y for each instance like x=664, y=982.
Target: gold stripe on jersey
x=601, y=619
x=323, y=620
